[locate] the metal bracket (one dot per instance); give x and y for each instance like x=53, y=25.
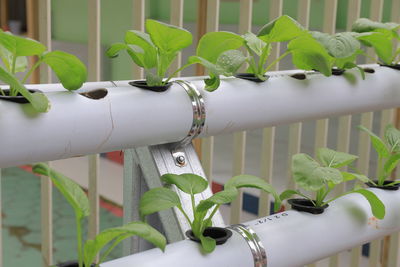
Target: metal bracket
x=254, y=242
x=199, y=118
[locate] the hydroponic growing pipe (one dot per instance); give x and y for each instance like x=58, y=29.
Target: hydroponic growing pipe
x=130, y=117
x=287, y=239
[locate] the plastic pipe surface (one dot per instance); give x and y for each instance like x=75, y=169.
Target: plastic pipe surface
x=129, y=117
x=290, y=238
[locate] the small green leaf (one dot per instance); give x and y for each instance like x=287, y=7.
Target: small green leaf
x=230, y=61
x=114, y=49
x=207, y=243
x=288, y=194
x=377, y=143
x=7, y=58
x=213, y=44
x=117, y=234
x=157, y=199
x=147, y=56
x=213, y=82
x=222, y=197
x=367, y=25
x=38, y=100
x=303, y=167
x=189, y=183
x=20, y=46
x=308, y=54
x=382, y=45
x=334, y=159
x=340, y=45
x=251, y=181
x=69, y=69
x=168, y=38
x=392, y=137
x=281, y=29
x=348, y=176
x=254, y=43
x=377, y=207
x=71, y=191
x=391, y=163
x=327, y=174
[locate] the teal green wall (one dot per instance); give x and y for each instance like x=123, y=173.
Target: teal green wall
x=70, y=20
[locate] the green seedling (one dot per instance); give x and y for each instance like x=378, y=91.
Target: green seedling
x=307, y=53
x=14, y=51
x=343, y=48
x=388, y=153
x=383, y=37
x=320, y=178
x=155, y=50
x=161, y=198
x=108, y=238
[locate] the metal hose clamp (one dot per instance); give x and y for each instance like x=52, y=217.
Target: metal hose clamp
x=199, y=118
x=254, y=242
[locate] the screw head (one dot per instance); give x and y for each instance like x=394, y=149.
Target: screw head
x=180, y=159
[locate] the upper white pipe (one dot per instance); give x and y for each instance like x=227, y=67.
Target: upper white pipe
x=290, y=238
x=129, y=117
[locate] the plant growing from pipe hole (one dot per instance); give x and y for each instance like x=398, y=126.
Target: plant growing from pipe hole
x=383, y=37
x=161, y=198
x=14, y=51
x=343, y=48
x=307, y=53
x=320, y=178
x=155, y=50
x=108, y=239
x=388, y=151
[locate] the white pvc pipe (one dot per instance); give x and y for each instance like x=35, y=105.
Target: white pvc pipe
x=129, y=117
x=290, y=238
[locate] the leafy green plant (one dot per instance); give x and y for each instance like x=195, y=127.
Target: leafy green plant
x=343, y=48
x=217, y=52
x=320, y=177
x=388, y=153
x=383, y=37
x=14, y=51
x=155, y=50
x=108, y=238
x=161, y=198
x=307, y=53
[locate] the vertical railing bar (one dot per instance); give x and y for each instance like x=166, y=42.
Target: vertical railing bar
x=94, y=50
x=3, y=14
x=321, y=126
x=267, y=159
x=138, y=24
x=176, y=18
x=46, y=186
x=207, y=144
x=376, y=9
x=344, y=129
x=32, y=32
x=239, y=143
x=295, y=129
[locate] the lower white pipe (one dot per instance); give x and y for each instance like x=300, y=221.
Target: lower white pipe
x=290, y=238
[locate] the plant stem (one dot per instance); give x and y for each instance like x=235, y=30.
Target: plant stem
x=214, y=211
x=108, y=251
x=263, y=57
x=178, y=70
x=2, y=92
x=193, y=203
x=79, y=240
x=13, y=91
x=184, y=214
x=381, y=177
x=277, y=60
x=30, y=71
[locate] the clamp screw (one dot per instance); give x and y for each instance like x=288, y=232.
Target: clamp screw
x=180, y=160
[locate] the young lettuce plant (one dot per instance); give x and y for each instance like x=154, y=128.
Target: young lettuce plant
x=320, y=177
x=14, y=51
x=307, y=53
x=343, y=48
x=383, y=37
x=155, y=50
x=161, y=198
x=108, y=238
x=388, y=154
x=217, y=52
